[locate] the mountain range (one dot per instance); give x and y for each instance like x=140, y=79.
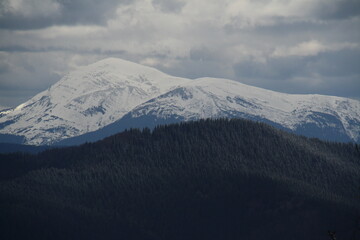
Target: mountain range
x=111, y=95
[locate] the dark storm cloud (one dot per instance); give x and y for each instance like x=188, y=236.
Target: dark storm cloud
x=65, y=12
x=174, y=6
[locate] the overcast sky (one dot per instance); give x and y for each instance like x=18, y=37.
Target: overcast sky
x=294, y=46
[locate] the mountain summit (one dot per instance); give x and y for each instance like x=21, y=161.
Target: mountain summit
x=114, y=94
x=86, y=100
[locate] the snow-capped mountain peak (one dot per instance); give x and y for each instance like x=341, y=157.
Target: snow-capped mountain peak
x=86, y=100
x=115, y=91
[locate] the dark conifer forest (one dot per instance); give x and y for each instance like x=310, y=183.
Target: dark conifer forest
x=210, y=179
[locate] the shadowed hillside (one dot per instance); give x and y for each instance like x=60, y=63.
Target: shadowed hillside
x=211, y=179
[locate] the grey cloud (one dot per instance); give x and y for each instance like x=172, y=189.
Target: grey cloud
x=12, y=98
x=70, y=13
x=202, y=54
x=18, y=48
x=339, y=9
x=16, y=88
x=89, y=11
x=20, y=80
x=276, y=69
x=4, y=68
x=337, y=64
x=338, y=73
x=193, y=69
x=332, y=10
x=174, y=6
x=46, y=49
x=27, y=74
x=339, y=86
x=187, y=41
x=11, y=21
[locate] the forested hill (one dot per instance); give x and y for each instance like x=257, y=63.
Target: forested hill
x=211, y=179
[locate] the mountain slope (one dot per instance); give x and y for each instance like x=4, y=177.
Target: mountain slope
x=214, y=98
x=18, y=148
x=85, y=100
x=112, y=95
x=214, y=179
x=325, y=117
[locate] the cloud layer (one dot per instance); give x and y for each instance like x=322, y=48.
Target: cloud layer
x=297, y=46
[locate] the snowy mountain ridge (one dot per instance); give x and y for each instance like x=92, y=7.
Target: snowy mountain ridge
x=211, y=97
x=110, y=90
x=85, y=100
